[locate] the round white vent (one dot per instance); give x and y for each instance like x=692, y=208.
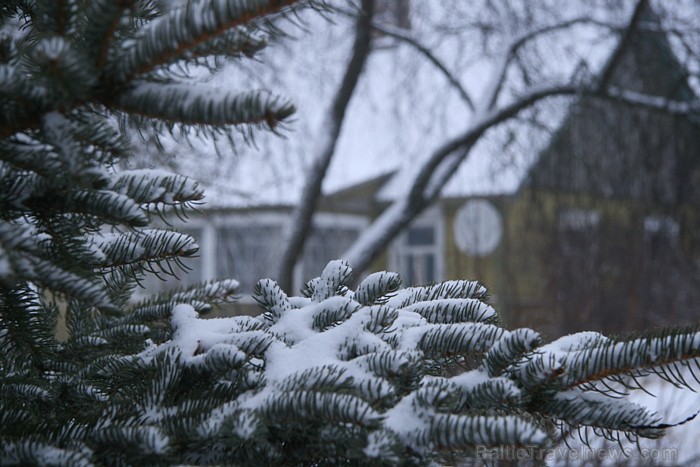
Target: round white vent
x=478, y=228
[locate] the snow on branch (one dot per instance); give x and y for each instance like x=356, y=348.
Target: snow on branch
x=155, y=186
x=397, y=383
x=205, y=105
x=183, y=29
x=240, y=40
x=148, y=245
x=658, y=103
x=23, y=260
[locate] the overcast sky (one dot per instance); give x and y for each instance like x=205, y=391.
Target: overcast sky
x=403, y=107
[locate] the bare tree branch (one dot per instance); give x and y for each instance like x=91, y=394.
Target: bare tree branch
x=401, y=35
x=517, y=43
x=437, y=170
x=302, y=216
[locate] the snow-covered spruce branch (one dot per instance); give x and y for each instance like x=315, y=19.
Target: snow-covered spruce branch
x=147, y=245
x=237, y=41
x=100, y=24
x=23, y=259
x=204, y=105
x=173, y=35
x=60, y=140
x=88, y=59
x=202, y=297
x=392, y=374
x=155, y=186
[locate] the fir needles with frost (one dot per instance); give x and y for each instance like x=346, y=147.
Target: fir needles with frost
x=381, y=374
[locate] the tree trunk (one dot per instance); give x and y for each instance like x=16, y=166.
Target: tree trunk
x=302, y=216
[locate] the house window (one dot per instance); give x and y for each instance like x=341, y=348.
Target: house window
x=578, y=236
x=417, y=253
x=660, y=235
x=579, y=219
x=323, y=245
x=247, y=253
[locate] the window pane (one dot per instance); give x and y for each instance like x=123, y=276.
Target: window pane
x=428, y=269
x=409, y=270
x=418, y=269
x=325, y=244
x=660, y=236
x=419, y=236
x=661, y=225
x=247, y=253
x=579, y=219
x=425, y=268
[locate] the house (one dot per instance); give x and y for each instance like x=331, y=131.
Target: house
x=598, y=228
x=601, y=232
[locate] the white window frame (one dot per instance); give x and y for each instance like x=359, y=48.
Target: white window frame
x=662, y=224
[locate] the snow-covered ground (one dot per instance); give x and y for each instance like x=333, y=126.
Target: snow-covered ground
x=680, y=445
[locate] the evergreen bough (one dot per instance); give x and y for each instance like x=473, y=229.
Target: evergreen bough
x=381, y=374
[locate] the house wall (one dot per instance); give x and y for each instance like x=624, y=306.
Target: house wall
x=614, y=266
x=570, y=262
x=639, y=170
x=513, y=274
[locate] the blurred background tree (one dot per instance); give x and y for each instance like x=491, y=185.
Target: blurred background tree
x=561, y=119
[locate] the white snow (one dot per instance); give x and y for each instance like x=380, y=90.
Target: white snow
x=572, y=342
x=470, y=379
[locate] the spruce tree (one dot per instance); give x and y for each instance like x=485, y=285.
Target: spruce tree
x=378, y=375
x=74, y=232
